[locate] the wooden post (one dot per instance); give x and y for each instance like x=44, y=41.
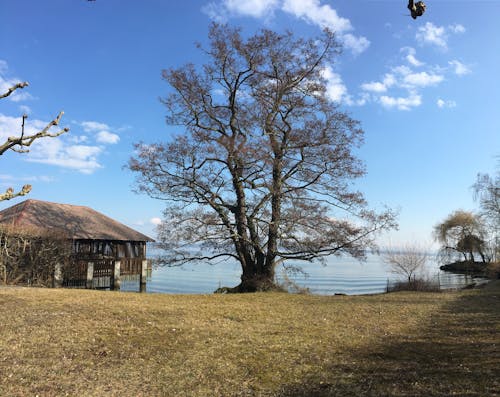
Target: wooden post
x=144, y=275
x=58, y=276
x=115, y=285
x=90, y=275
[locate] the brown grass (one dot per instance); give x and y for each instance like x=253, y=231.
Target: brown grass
x=89, y=343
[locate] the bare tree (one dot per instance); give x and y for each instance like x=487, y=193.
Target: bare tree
x=20, y=143
x=407, y=261
x=487, y=192
x=263, y=171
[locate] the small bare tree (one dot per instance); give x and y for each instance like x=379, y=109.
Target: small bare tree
x=406, y=261
x=21, y=142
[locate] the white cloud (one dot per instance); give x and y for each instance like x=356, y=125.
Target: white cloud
x=64, y=151
x=220, y=11
x=441, y=103
x=437, y=35
x=18, y=95
x=78, y=138
x=336, y=91
x=389, y=80
x=432, y=34
x=102, y=132
x=14, y=180
x=410, y=56
x=311, y=11
x=378, y=87
x=457, y=28
x=3, y=66
x=422, y=79
x=39, y=178
x=401, y=103
x=107, y=137
x=254, y=8
x=322, y=15
x=403, y=78
x=374, y=86
x=93, y=126
x=356, y=44
x=156, y=221
x=413, y=61
x=9, y=126
x=79, y=157
x=460, y=68
x=60, y=151
x=8, y=82
x=82, y=152
x=25, y=109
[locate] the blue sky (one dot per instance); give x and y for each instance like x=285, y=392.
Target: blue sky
x=427, y=93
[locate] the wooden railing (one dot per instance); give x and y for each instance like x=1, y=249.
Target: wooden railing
x=103, y=273
x=130, y=266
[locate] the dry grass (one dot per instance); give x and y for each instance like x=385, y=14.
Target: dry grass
x=89, y=343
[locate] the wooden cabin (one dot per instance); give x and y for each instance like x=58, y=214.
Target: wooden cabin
x=103, y=250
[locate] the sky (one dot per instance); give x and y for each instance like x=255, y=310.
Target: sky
x=426, y=91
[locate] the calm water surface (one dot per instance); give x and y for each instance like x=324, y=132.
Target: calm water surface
x=340, y=275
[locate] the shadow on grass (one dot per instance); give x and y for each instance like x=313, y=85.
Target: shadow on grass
x=456, y=352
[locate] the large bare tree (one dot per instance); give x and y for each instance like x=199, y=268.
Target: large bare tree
x=21, y=142
x=262, y=171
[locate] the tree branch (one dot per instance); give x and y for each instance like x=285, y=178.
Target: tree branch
x=26, y=141
x=17, y=143
x=13, y=88
x=9, y=193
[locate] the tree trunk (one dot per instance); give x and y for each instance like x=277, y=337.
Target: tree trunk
x=257, y=278
x=254, y=279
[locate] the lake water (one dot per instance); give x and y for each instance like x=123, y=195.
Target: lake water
x=342, y=275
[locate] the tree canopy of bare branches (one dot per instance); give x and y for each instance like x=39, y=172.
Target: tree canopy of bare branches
x=487, y=192
x=21, y=142
x=263, y=169
x=407, y=261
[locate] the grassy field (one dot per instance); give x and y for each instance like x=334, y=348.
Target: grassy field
x=90, y=343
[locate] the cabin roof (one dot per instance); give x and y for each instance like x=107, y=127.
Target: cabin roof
x=75, y=221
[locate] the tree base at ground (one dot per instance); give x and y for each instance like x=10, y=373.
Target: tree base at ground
x=255, y=284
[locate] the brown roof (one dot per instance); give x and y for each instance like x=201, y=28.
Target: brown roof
x=77, y=222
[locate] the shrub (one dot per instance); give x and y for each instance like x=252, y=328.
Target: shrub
x=493, y=270
x=28, y=256
x=415, y=284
